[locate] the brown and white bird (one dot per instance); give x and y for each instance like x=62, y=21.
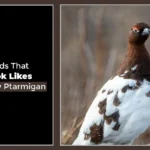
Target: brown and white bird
x=121, y=110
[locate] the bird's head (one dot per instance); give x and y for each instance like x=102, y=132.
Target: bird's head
x=139, y=33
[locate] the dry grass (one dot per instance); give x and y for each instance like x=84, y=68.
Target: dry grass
x=94, y=43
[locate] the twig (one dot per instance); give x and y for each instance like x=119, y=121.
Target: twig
x=71, y=131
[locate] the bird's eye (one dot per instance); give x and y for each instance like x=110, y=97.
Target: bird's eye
x=135, y=30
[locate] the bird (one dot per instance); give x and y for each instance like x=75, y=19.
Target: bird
x=120, y=111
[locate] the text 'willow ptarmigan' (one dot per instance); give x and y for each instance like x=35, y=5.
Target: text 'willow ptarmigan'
x=121, y=110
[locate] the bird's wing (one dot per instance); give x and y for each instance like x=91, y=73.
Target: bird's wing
x=111, y=113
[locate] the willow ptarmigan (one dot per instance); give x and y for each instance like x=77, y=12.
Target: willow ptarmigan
x=121, y=110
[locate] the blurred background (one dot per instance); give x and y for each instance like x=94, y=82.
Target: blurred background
x=93, y=45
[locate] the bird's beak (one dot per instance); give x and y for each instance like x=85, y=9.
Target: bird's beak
x=146, y=31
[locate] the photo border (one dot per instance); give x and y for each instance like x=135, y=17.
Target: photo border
x=43, y=145
x=96, y=5
x=56, y=62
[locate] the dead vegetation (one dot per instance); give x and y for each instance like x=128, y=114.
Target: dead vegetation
x=93, y=44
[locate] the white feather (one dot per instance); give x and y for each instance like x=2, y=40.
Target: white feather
x=134, y=112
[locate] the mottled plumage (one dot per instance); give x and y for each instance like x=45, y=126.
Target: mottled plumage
x=121, y=110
